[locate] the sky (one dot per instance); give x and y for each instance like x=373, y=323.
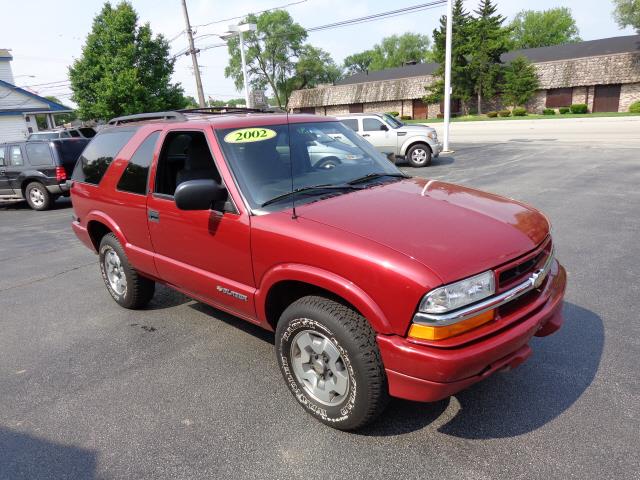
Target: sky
x=47, y=36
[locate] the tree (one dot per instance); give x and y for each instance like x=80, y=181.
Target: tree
x=314, y=66
x=461, y=82
x=520, y=82
x=531, y=29
x=123, y=69
x=358, y=62
x=627, y=13
x=190, y=102
x=488, y=40
x=271, y=52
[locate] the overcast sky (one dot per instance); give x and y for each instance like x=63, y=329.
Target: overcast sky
x=48, y=35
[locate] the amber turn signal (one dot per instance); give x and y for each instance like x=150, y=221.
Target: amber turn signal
x=431, y=332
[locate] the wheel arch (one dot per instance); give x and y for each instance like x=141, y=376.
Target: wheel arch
x=286, y=283
x=99, y=225
x=410, y=142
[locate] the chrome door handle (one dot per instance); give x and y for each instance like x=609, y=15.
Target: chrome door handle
x=154, y=216
x=366, y=135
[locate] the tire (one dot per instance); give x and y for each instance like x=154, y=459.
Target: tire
x=354, y=384
x=328, y=163
x=37, y=196
x=419, y=155
x=136, y=291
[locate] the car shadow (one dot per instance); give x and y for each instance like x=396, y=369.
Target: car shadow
x=166, y=297
x=60, y=204
x=23, y=456
x=435, y=162
x=506, y=405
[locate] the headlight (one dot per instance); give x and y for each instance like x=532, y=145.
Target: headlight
x=458, y=294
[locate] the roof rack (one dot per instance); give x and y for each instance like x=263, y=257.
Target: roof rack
x=223, y=110
x=139, y=117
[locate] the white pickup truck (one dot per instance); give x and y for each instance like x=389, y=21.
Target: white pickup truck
x=418, y=144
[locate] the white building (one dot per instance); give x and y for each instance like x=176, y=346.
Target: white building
x=18, y=106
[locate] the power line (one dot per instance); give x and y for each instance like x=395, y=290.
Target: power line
x=46, y=83
x=251, y=13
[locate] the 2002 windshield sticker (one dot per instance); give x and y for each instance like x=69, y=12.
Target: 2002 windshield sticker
x=246, y=135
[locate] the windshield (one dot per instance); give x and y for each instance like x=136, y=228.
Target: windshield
x=319, y=154
x=393, y=121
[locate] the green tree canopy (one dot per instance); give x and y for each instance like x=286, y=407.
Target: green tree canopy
x=532, y=29
x=358, y=62
x=520, y=82
x=393, y=51
x=488, y=40
x=273, y=54
x=123, y=69
x=627, y=13
x=461, y=82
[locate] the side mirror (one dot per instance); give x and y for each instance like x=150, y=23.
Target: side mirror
x=384, y=127
x=199, y=194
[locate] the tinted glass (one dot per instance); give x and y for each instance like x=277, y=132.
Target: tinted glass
x=352, y=123
x=88, y=132
x=318, y=153
x=15, y=156
x=134, y=177
x=371, y=124
x=99, y=154
x=43, y=136
x=74, y=133
x=2, y=155
x=39, y=154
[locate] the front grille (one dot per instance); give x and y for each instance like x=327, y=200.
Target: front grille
x=517, y=273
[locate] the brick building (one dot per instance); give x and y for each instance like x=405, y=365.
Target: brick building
x=604, y=74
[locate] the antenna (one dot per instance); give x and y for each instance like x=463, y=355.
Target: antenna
x=293, y=195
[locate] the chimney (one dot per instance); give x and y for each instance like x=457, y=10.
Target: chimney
x=6, y=74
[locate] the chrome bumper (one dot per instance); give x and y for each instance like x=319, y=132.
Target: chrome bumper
x=534, y=281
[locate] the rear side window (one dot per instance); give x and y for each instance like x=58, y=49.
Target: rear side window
x=2, y=164
x=88, y=132
x=134, y=177
x=15, y=156
x=99, y=154
x=39, y=154
x=351, y=123
x=74, y=133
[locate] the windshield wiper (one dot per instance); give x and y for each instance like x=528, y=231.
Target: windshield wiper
x=371, y=176
x=310, y=189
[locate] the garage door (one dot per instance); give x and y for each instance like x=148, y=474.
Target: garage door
x=606, y=98
x=559, y=97
x=419, y=109
x=355, y=108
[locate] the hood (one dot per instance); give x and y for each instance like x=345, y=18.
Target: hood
x=453, y=230
x=416, y=128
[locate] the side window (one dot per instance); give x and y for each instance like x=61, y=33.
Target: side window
x=15, y=156
x=2, y=164
x=74, y=133
x=351, y=123
x=184, y=156
x=134, y=177
x=99, y=153
x=371, y=125
x=39, y=154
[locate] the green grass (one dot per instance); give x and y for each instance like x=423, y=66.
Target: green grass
x=531, y=116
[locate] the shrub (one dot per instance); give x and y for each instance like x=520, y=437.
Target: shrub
x=549, y=111
x=519, y=112
x=504, y=113
x=564, y=110
x=579, y=108
x=492, y=114
x=394, y=114
x=441, y=115
x=635, y=107
x=405, y=117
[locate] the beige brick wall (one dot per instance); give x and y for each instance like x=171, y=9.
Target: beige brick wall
x=629, y=93
x=537, y=103
x=433, y=110
x=407, y=108
x=382, y=107
x=579, y=95
x=333, y=110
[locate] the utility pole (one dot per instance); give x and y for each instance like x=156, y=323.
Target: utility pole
x=193, y=51
x=447, y=76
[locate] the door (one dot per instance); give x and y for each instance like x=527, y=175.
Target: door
x=606, y=98
x=5, y=189
x=206, y=252
x=378, y=133
x=14, y=166
x=420, y=109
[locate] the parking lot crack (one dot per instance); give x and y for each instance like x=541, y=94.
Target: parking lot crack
x=48, y=277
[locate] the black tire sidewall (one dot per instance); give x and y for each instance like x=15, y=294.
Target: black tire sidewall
x=109, y=242
x=424, y=147
x=298, y=318
x=45, y=194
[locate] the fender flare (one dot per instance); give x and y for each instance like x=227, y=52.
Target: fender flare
x=326, y=280
x=106, y=220
x=411, y=140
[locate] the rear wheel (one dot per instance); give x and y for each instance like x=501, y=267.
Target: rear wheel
x=330, y=360
x=126, y=285
x=419, y=155
x=38, y=197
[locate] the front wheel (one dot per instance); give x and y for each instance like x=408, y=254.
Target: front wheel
x=329, y=358
x=419, y=155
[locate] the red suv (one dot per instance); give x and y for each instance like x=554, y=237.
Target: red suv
x=376, y=284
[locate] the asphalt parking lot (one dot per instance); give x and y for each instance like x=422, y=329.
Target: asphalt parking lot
x=181, y=390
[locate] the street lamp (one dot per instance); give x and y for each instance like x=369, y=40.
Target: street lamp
x=239, y=30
